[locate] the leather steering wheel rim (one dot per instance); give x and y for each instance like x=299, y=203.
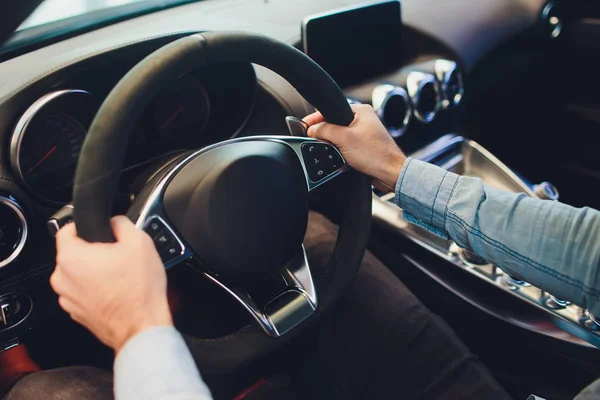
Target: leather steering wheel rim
x=103, y=152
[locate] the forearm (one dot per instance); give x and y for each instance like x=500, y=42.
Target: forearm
x=551, y=245
x=156, y=364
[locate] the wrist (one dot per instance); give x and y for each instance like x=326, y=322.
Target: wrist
x=135, y=326
x=390, y=171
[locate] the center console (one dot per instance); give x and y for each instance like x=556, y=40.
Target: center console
x=466, y=157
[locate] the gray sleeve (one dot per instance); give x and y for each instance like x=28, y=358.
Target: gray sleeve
x=156, y=364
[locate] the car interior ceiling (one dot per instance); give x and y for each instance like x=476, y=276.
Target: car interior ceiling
x=505, y=91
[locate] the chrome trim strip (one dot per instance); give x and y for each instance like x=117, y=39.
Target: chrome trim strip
x=507, y=171
x=298, y=279
x=18, y=134
x=438, y=147
x=379, y=98
x=415, y=82
x=16, y=208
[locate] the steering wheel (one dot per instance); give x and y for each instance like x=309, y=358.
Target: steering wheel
x=238, y=208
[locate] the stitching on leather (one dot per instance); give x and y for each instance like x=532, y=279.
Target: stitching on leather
x=26, y=276
x=22, y=280
x=15, y=277
x=89, y=55
x=548, y=271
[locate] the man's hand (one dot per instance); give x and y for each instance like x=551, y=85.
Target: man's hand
x=365, y=144
x=116, y=290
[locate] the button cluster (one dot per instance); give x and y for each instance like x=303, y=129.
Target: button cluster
x=168, y=247
x=321, y=160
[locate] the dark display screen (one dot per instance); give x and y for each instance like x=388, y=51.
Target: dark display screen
x=356, y=44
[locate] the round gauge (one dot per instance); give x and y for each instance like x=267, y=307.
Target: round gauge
x=13, y=230
x=179, y=116
x=47, y=142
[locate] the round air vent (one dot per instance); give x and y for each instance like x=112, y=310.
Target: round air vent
x=13, y=230
x=424, y=90
x=451, y=81
x=394, y=108
x=552, y=19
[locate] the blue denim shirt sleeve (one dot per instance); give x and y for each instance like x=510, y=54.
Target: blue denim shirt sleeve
x=156, y=364
x=549, y=244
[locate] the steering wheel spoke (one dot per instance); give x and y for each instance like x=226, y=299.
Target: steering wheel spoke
x=170, y=246
x=321, y=161
x=288, y=307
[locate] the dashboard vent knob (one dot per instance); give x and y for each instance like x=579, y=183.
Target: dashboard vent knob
x=13, y=230
x=451, y=80
x=424, y=90
x=552, y=19
x=394, y=108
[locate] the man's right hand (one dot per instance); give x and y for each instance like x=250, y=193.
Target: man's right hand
x=366, y=145
x=116, y=290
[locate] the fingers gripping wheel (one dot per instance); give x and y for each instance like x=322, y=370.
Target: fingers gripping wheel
x=238, y=206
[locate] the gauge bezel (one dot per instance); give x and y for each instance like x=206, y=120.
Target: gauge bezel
x=20, y=131
x=16, y=208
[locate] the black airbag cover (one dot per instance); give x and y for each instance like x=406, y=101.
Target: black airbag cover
x=242, y=208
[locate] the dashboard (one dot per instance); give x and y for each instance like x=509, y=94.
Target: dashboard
x=49, y=97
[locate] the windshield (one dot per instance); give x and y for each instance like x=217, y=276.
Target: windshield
x=55, y=10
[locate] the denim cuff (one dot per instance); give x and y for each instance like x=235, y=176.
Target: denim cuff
x=423, y=191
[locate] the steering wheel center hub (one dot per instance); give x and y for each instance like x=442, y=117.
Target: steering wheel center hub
x=242, y=207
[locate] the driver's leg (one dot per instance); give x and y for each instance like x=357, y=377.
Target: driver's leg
x=72, y=383
x=381, y=342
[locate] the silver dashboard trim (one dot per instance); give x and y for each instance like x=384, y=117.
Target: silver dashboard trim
x=298, y=279
x=16, y=208
x=26, y=118
x=415, y=82
x=379, y=98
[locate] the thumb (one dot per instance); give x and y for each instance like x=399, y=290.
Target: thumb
x=122, y=227
x=329, y=132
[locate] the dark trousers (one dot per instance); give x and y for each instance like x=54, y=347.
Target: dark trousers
x=379, y=343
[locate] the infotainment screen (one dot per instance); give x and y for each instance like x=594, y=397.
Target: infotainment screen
x=355, y=44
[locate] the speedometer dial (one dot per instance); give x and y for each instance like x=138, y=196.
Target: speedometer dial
x=46, y=146
x=49, y=155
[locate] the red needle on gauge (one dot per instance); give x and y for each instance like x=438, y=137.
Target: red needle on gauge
x=52, y=150
x=172, y=118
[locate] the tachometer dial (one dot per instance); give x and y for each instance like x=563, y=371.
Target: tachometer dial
x=178, y=117
x=45, y=149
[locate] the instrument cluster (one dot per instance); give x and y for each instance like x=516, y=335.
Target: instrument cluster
x=192, y=112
